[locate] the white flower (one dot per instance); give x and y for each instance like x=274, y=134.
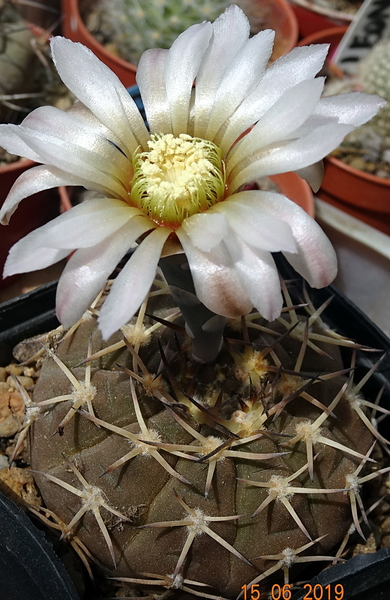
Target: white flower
x=181, y=182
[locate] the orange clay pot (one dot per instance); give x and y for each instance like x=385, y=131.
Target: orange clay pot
x=280, y=17
x=360, y=194
x=312, y=18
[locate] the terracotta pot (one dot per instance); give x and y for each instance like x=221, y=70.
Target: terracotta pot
x=312, y=18
x=362, y=195
x=280, y=17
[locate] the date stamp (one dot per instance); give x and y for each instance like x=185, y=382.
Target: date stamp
x=284, y=592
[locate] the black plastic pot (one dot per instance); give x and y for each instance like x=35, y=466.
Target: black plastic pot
x=363, y=578
x=29, y=567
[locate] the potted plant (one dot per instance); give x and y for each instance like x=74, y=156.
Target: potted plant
x=360, y=193
x=192, y=443
x=276, y=14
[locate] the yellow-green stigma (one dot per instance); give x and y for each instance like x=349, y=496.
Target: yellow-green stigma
x=177, y=177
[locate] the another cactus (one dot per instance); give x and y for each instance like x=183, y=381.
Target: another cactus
x=140, y=25
x=374, y=76
x=209, y=473
x=136, y=25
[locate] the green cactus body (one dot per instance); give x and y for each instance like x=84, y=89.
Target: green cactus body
x=140, y=25
x=374, y=76
x=201, y=472
x=134, y=26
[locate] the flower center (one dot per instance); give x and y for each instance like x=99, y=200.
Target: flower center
x=177, y=177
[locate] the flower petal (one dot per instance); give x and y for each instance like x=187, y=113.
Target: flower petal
x=84, y=225
x=288, y=113
x=24, y=258
x=206, y=230
x=316, y=259
x=259, y=277
x=133, y=283
x=30, y=182
x=181, y=67
x=56, y=153
x=216, y=281
x=87, y=119
x=299, y=64
x=292, y=156
x=255, y=226
x=354, y=108
x=313, y=174
x=230, y=32
x=151, y=83
x=240, y=78
x=63, y=140
x=100, y=90
x=88, y=269
x=11, y=141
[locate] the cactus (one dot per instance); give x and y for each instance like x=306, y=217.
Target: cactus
x=140, y=25
x=28, y=78
x=136, y=25
x=216, y=474
x=373, y=74
x=16, y=57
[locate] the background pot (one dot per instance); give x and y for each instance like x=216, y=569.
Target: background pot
x=312, y=18
x=280, y=17
x=362, y=195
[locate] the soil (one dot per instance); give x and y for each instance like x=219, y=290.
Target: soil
x=360, y=156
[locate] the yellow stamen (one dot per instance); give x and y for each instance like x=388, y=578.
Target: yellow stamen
x=178, y=177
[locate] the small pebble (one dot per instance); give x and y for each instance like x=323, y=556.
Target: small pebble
x=26, y=382
x=386, y=525
x=3, y=374
x=9, y=426
x=13, y=369
x=370, y=167
x=30, y=372
x=357, y=163
x=386, y=156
